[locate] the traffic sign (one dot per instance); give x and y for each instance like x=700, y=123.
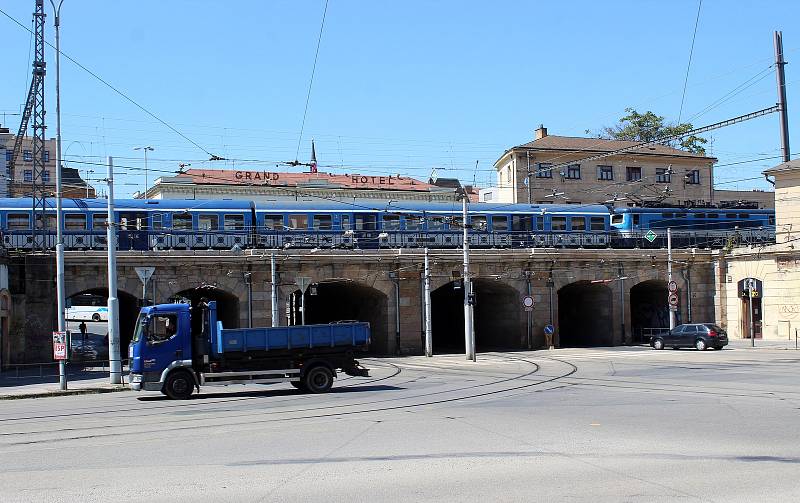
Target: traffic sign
x=527, y=303
x=673, y=287
x=650, y=236
x=673, y=299
x=144, y=273
x=59, y=345
x=549, y=329
x=303, y=282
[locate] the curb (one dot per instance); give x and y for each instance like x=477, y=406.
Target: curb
x=81, y=391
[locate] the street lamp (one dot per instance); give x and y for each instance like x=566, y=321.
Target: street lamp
x=145, y=149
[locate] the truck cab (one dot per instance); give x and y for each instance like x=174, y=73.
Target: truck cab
x=166, y=355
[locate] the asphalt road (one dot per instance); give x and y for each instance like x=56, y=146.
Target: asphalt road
x=621, y=424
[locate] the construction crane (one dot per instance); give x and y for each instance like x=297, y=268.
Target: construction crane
x=34, y=112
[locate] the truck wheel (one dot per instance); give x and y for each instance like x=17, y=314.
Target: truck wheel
x=318, y=380
x=179, y=385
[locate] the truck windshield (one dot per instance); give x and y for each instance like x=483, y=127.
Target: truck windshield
x=141, y=323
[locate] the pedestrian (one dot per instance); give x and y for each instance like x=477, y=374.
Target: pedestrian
x=82, y=328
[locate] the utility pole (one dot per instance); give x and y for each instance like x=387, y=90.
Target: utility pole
x=145, y=149
x=530, y=193
x=248, y=280
x=669, y=275
x=469, y=335
x=273, y=278
x=779, y=74
x=428, y=321
x=622, y=300
x=60, y=293
x=115, y=363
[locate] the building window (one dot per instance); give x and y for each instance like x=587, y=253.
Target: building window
x=27, y=155
x=633, y=174
x=605, y=173
x=574, y=172
x=693, y=177
x=663, y=175
x=9, y=155
x=543, y=170
x=28, y=175
x=46, y=176
x=46, y=155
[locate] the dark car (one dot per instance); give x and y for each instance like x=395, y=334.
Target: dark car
x=699, y=335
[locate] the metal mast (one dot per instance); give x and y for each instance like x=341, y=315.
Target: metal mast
x=34, y=108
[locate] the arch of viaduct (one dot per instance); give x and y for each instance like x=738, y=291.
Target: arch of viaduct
x=592, y=297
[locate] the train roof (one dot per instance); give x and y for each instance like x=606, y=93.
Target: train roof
x=24, y=203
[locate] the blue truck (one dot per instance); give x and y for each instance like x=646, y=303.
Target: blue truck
x=177, y=348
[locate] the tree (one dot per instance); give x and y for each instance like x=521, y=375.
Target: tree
x=648, y=127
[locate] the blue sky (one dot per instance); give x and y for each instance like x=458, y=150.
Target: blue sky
x=400, y=87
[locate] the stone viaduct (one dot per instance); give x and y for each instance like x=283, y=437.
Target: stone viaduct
x=593, y=297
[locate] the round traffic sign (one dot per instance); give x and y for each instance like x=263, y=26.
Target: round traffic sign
x=673, y=300
x=527, y=301
x=549, y=329
x=673, y=287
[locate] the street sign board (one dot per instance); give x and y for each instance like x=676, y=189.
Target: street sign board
x=144, y=273
x=673, y=287
x=59, y=345
x=527, y=303
x=673, y=299
x=650, y=236
x=549, y=329
x=303, y=282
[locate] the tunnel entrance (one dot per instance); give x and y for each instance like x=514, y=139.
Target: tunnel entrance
x=86, y=315
x=227, y=305
x=496, y=314
x=649, y=309
x=584, y=315
x=332, y=301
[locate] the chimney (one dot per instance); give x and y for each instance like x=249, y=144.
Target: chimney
x=540, y=132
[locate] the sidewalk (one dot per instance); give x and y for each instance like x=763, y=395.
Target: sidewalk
x=12, y=387
x=761, y=344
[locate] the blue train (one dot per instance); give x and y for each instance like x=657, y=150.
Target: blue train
x=227, y=224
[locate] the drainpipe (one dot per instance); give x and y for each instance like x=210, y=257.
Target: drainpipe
x=687, y=277
x=529, y=313
x=622, y=301
x=396, y=280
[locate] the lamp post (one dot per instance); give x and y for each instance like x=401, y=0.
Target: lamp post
x=60, y=294
x=145, y=149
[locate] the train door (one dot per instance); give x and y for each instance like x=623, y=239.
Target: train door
x=133, y=230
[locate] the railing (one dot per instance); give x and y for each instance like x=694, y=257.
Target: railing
x=50, y=369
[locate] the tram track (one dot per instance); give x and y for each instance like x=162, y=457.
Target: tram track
x=328, y=410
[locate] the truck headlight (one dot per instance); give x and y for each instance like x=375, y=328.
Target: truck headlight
x=136, y=378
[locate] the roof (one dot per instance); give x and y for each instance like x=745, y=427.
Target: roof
x=600, y=145
x=303, y=180
x=784, y=167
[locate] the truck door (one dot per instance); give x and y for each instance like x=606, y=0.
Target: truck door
x=168, y=340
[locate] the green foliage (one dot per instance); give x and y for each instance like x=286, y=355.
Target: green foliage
x=648, y=127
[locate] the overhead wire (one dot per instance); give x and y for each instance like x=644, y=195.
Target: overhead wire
x=311, y=82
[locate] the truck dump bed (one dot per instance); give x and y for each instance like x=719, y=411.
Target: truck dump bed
x=241, y=340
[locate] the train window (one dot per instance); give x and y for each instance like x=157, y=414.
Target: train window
x=558, y=224
x=499, y=223
x=74, y=222
x=271, y=222
x=413, y=223
x=456, y=223
x=616, y=219
x=323, y=222
x=680, y=215
x=207, y=222
x=156, y=220
x=578, y=223
x=699, y=215
x=99, y=221
x=712, y=215
x=597, y=223
x=233, y=222
x=668, y=214
x=298, y=221
x=636, y=219
x=346, y=222
x=521, y=223
x=744, y=215
x=435, y=223
x=478, y=222
x=539, y=223
x=182, y=221
x=730, y=215
x=49, y=222
x=365, y=221
x=18, y=221
x=391, y=222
